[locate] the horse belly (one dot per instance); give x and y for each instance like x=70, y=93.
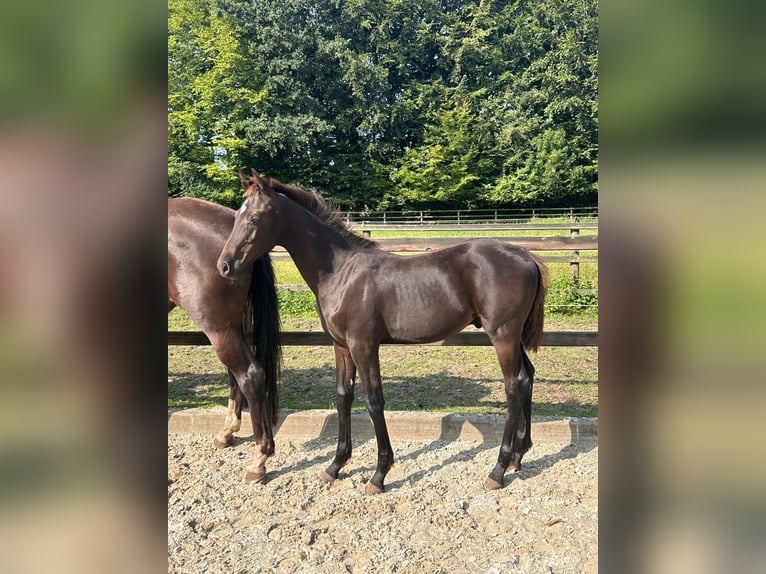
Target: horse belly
x=425, y=316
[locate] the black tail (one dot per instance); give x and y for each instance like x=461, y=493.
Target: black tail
x=262, y=320
x=532, y=334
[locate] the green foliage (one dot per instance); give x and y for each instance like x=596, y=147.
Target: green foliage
x=448, y=169
x=413, y=103
x=296, y=303
x=566, y=298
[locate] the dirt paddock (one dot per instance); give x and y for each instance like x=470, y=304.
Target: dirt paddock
x=435, y=515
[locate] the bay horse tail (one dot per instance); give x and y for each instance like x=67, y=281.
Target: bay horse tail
x=532, y=334
x=261, y=318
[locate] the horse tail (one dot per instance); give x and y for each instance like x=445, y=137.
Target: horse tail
x=262, y=320
x=532, y=334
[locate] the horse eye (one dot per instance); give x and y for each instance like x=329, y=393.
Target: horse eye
x=255, y=220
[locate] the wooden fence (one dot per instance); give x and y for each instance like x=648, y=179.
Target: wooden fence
x=573, y=242
x=461, y=216
x=462, y=339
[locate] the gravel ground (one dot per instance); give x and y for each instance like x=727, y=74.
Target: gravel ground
x=434, y=517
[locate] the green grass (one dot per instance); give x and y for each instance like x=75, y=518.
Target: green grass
x=433, y=378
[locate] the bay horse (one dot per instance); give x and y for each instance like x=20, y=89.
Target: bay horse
x=366, y=296
x=226, y=310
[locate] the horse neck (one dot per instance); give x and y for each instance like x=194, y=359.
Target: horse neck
x=316, y=248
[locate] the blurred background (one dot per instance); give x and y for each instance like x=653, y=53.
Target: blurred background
x=83, y=148
x=682, y=179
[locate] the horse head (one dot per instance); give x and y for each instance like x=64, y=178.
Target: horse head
x=255, y=227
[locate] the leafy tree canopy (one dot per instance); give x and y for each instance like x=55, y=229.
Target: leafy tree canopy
x=383, y=103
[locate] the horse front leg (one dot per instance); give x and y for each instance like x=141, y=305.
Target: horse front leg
x=345, y=373
x=368, y=362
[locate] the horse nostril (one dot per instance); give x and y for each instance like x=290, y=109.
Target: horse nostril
x=225, y=268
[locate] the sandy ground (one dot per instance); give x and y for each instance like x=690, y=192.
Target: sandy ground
x=435, y=515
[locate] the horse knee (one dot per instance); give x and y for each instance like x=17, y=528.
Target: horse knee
x=256, y=373
x=375, y=403
x=253, y=382
x=519, y=386
x=344, y=393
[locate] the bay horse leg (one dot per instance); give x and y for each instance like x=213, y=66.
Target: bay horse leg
x=526, y=442
x=368, y=362
x=233, y=421
x=345, y=372
x=518, y=391
x=234, y=352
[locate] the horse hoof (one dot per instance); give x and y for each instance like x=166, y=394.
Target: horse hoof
x=219, y=442
x=372, y=489
x=255, y=474
x=327, y=477
x=491, y=484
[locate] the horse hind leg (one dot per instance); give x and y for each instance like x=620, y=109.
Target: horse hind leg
x=518, y=391
x=233, y=421
x=525, y=434
x=250, y=378
x=253, y=388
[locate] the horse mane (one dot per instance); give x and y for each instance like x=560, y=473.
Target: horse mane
x=316, y=204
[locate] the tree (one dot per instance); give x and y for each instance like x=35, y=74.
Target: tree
x=212, y=89
x=550, y=138
x=407, y=102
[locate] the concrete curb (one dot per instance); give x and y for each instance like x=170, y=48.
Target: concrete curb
x=402, y=425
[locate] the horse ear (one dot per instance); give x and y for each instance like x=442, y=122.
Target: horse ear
x=256, y=175
x=244, y=179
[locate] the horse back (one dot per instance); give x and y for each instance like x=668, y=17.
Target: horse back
x=432, y=296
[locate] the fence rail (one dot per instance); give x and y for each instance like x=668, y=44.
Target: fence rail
x=574, y=243
x=467, y=216
x=462, y=339
x=366, y=227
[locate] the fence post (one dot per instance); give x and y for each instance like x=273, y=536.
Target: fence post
x=574, y=264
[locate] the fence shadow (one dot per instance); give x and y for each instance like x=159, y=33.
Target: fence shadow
x=469, y=392
x=490, y=436
x=530, y=468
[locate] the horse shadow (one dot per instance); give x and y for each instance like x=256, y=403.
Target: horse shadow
x=486, y=436
x=490, y=440
x=452, y=430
